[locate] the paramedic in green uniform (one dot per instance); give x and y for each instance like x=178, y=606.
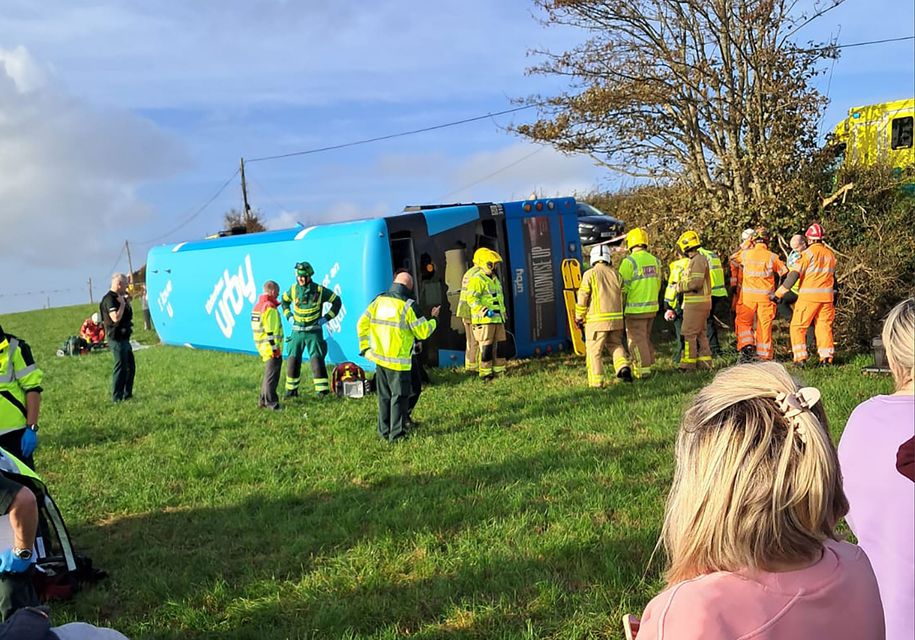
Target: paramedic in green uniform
x=303, y=305
x=18, y=503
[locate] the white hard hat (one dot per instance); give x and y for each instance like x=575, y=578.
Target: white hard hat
x=747, y=234
x=600, y=253
x=96, y=317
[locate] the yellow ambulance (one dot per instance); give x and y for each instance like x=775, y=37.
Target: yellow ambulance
x=879, y=132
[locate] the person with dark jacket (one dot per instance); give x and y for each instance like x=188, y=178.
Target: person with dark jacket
x=33, y=623
x=117, y=314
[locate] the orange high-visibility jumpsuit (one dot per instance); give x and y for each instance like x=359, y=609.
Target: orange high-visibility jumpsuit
x=759, y=268
x=743, y=331
x=815, y=303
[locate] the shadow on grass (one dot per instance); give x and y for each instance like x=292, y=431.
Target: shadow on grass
x=404, y=552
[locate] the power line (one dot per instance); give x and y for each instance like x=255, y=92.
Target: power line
x=196, y=213
x=390, y=136
x=856, y=44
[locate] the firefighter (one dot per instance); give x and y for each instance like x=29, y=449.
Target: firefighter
x=302, y=305
x=20, y=398
x=487, y=313
x=673, y=301
x=760, y=267
x=387, y=331
x=719, y=299
x=471, y=355
x=744, y=332
x=816, y=272
x=641, y=275
x=599, y=312
x=267, y=328
x=696, y=287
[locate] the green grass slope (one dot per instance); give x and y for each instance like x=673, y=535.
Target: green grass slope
x=525, y=508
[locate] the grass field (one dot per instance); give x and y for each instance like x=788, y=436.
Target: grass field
x=527, y=508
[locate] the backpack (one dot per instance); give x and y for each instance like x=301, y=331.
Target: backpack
x=348, y=380
x=73, y=346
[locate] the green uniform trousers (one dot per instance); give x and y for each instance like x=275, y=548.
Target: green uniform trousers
x=308, y=344
x=393, y=389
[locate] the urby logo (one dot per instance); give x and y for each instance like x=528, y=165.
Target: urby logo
x=334, y=325
x=519, y=281
x=164, y=304
x=229, y=295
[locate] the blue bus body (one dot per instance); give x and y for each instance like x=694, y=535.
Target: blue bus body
x=201, y=293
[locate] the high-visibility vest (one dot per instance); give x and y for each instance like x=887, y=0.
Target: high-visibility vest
x=817, y=270
x=677, y=269
x=759, y=268
x=641, y=275
x=791, y=263
x=267, y=327
x=387, y=330
x=716, y=272
x=696, y=285
x=463, y=308
x=484, y=293
x=18, y=375
x=600, y=298
x=303, y=305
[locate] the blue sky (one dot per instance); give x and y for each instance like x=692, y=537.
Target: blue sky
x=120, y=118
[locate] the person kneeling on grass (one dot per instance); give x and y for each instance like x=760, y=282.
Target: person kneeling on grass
x=749, y=527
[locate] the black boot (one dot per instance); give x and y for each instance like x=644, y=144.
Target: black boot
x=292, y=393
x=625, y=374
x=746, y=355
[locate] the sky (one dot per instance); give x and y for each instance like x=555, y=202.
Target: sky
x=120, y=119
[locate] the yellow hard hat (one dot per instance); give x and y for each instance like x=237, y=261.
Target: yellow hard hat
x=484, y=257
x=636, y=237
x=689, y=240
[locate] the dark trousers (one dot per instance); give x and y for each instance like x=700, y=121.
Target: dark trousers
x=311, y=345
x=720, y=310
x=393, y=388
x=785, y=309
x=16, y=592
x=124, y=369
x=272, y=368
x=12, y=442
x=416, y=385
x=678, y=325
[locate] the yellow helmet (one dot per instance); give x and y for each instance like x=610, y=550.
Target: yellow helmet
x=636, y=237
x=486, y=258
x=689, y=240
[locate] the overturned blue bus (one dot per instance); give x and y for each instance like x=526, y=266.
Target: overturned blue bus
x=201, y=293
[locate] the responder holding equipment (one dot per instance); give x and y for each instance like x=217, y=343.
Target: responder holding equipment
x=387, y=330
x=599, y=312
x=696, y=287
x=20, y=398
x=673, y=301
x=302, y=305
x=487, y=312
x=267, y=328
x=471, y=355
x=816, y=270
x=719, y=299
x=760, y=266
x=641, y=275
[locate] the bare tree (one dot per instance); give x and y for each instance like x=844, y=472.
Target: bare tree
x=715, y=94
x=250, y=220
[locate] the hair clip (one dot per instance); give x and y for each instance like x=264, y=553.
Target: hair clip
x=792, y=405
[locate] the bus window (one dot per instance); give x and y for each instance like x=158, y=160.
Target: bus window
x=901, y=137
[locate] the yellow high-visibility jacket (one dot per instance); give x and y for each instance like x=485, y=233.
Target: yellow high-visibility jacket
x=484, y=293
x=267, y=327
x=19, y=375
x=389, y=327
x=678, y=269
x=463, y=308
x=600, y=299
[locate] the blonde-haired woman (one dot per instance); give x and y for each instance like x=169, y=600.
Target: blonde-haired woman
x=750, y=523
x=882, y=501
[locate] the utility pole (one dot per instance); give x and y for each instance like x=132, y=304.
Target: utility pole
x=129, y=263
x=91, y=299
x=244, y=193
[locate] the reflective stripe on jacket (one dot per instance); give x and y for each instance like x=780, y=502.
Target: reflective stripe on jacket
x=759, y=269
x=600, y=299
x=817, y=269
x=303, y=305
x=678, y=270
x=641, y=275
x=267, y=327
x=696, y=286
x=484, y=293
x=716, y=272
x=18, y=375
x=388, y=329
x=463, y=309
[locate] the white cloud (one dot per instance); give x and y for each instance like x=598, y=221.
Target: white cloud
x=69, y=173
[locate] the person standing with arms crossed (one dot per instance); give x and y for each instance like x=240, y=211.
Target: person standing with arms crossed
x=117, y=313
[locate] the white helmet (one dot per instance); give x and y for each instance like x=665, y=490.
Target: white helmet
x=747, y=234
x=96, y=317
x=600, y=253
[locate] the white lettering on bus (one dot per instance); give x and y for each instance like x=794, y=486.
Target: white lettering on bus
x=542, y=275
x=229, y=295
